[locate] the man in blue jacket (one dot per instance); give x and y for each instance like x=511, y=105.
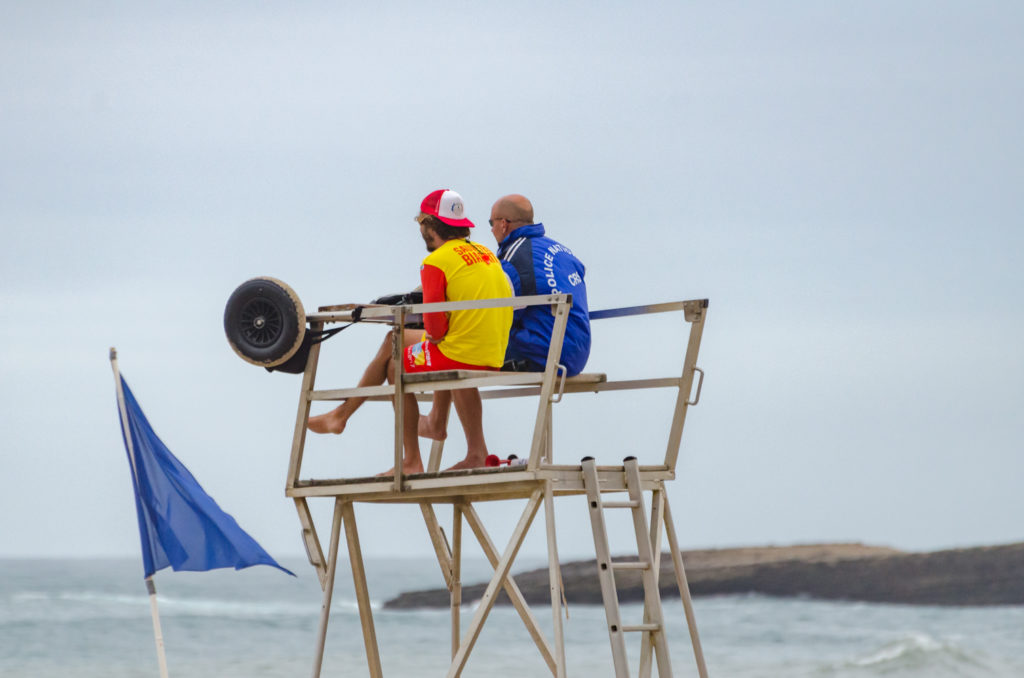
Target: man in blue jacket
x=535, y=264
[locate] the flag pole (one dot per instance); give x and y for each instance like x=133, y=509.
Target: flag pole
x=158, y=635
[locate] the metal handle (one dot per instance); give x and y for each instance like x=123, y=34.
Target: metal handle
x=700, y=383
x=561, y=385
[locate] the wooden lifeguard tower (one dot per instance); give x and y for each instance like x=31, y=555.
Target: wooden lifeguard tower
x=540, y=480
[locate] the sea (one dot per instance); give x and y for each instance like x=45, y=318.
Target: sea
x=91, y=619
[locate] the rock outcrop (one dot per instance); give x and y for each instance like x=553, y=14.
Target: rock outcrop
x=992, y=575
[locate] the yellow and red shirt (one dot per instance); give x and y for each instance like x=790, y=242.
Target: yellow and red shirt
x=460, y=270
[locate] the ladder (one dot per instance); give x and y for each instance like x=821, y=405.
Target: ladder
x=653, y=626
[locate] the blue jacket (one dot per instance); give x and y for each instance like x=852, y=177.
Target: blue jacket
x=537, y=264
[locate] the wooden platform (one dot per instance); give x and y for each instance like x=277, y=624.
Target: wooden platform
x=481, y=484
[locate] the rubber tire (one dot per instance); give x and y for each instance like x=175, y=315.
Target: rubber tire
x=264, y=321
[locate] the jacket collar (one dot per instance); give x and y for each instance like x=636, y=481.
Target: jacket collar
x=528, y=231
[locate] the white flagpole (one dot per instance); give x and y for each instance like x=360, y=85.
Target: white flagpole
x=158, y=635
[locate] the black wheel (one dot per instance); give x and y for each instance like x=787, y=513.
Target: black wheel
x=264, y=322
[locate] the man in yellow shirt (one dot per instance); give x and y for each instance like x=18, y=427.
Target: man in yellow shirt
x=455, y=269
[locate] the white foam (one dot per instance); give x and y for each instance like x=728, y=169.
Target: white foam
x=912, y=645
x=206, y=607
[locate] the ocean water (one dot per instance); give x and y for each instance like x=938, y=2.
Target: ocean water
x=91, y=618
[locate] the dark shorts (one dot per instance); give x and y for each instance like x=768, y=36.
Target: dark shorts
x=521, y=365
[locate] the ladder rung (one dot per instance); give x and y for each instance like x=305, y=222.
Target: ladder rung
x=632, y=565
x=620, y=504
x=641, y=627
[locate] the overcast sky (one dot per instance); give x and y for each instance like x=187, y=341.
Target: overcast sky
x=842, y=180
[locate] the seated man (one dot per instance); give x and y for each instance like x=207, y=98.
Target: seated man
x=475, y=339
x=535, y=264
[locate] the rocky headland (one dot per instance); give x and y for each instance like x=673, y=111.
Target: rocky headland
x=991, y=575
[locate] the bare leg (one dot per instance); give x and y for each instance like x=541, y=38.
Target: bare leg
x=375, y=374
x=470, y=409
x=434, y=425
x=335, y=420
x=411, y=460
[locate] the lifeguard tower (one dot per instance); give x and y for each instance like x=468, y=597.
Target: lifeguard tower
x=540, y=480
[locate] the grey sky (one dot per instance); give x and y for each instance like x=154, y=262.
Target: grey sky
x=842, y=180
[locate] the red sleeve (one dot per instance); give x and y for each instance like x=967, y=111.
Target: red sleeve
x=434, y=287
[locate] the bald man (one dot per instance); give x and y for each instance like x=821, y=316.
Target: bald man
x=535, y=264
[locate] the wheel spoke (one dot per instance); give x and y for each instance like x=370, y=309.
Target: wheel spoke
x=261, y=323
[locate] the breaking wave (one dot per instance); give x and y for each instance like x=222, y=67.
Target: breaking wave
x=70, y=605
x=919, y=651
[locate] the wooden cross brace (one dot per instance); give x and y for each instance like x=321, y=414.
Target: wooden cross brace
x=449, y=558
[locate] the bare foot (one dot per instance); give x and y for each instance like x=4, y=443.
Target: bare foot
x=471, y=461
x=428, y=428
x=332, y=422
x=408, y=468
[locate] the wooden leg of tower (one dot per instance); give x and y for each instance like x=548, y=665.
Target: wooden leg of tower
x=310, y=540
x=449, y=558
x=397, y=358
x=325, y=607
x=355, y=556
x=514, y=594
x=499, y=579
x=657, y=523
x=684, y=589
x=554, y=580
x=302, y=416
x=548, y=454
x=456, y=587
x=444, y=556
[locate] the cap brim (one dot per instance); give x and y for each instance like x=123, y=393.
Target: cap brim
x=458, y=223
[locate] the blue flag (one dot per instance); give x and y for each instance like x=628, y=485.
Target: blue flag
x=179, y=524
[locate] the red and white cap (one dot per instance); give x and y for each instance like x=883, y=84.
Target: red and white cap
x=447, y=206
